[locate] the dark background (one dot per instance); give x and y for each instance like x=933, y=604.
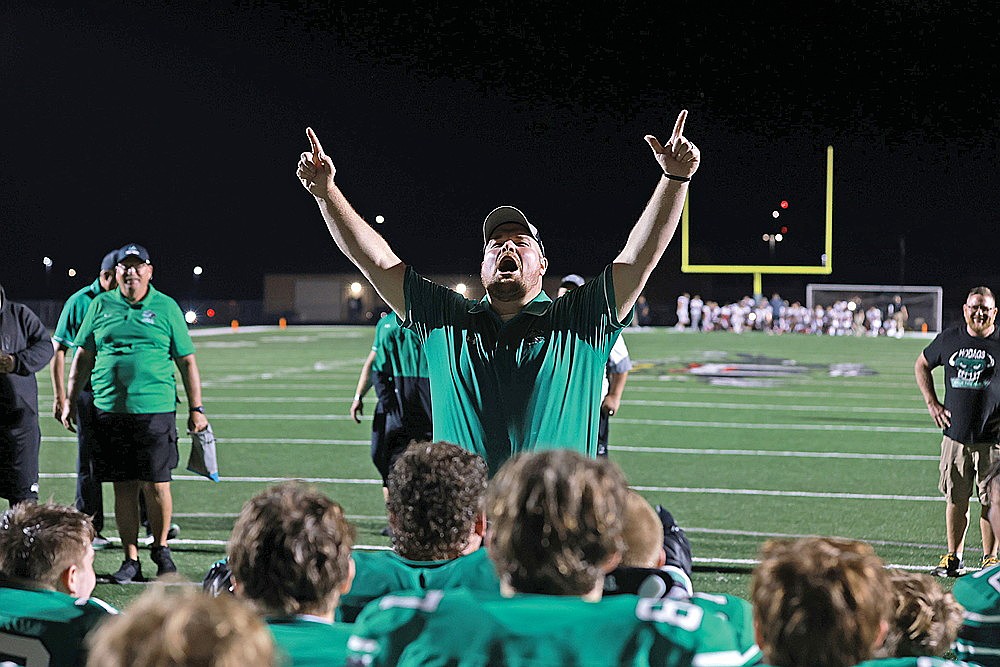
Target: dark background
x=178, y=127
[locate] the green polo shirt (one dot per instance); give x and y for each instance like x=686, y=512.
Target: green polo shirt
x=135, y=347
x=73, y=312
x=397, y=350
x=533, y=382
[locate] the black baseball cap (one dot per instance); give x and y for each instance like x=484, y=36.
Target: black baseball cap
x=501, y=215
x=109, y=261
x=132, y=250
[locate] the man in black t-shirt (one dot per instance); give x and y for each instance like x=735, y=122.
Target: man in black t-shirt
x=969, y=418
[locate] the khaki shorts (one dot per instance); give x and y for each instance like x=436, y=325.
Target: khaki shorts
x=963, y=466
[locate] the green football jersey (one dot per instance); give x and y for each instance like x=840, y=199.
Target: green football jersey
x=307, y=641
x=379, y=573
x=462, y=628
x=42, y=628
x=979, y=637
x=738, y=613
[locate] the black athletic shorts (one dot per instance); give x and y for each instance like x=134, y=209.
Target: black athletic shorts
x=135, y=447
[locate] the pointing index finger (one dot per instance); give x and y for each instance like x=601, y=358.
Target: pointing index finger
x=317, y=148
x=679, y=125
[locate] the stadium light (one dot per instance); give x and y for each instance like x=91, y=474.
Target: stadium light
x=47, y=262
x=461, y=288
x=379, y=219
x=197, y=271
x=190, y=317
x=356, y=289
x=71, y=273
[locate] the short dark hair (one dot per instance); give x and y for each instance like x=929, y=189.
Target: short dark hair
x=39, y=541
x=556, y=520
x=290, y=549
x=982, y=291
x=435, y=493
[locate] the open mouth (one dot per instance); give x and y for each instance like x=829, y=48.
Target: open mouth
x=507, y=264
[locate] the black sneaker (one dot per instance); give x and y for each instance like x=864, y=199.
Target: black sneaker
x=131, y=570
x=164, y=562
x=949, y=566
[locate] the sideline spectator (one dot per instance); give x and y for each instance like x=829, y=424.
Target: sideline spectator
x=89, y=495
x=290, y=552
x=179, y=627
x=46, y=578
x=556, y=530
x=513, y=371
x=25, y=348
x=969, y=419
x=129, y=342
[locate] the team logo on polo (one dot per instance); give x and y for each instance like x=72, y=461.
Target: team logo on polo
x=970, y=364
x=149, y=317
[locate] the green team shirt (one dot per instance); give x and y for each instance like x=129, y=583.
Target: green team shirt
x=463, y=628
x=979, y=636
x=379, y=573
x=397, y=350
x=46, y=628
x=73, y=312
x=135, y=347
x=533, y=382
x=305, y=641
x=738, y=613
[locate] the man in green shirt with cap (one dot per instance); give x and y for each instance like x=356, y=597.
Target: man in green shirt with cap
x=129, y=343
x=515, y=371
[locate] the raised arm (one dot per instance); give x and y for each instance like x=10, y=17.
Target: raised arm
x=679, y=159
x=355, y=238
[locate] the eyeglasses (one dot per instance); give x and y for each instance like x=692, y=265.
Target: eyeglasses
x=980, y=309
x=124, y=268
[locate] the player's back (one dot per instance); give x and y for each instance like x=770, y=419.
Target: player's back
x=979, y=636
x=463, y=628
x=46, y=626
x=379, y=573
x=304, y=642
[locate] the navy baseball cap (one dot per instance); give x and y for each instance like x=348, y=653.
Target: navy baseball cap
x=501, y=215
x=132, y=250
x=109, y=261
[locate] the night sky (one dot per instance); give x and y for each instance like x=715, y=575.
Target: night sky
x=179, y=128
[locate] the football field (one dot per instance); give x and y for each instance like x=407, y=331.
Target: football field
x=742, y=437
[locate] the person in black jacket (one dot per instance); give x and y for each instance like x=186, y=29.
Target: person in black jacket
x=25, y=348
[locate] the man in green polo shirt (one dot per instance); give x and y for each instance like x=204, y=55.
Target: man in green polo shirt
x=129, y=342
x=515, y=371
x=89, y=496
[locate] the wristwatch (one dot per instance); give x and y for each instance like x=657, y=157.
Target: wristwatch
x=200, y=408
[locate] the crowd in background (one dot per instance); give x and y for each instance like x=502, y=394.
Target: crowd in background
x=844, y=317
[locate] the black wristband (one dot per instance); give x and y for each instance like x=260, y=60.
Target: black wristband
x=200, y=409
x=682, y=179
